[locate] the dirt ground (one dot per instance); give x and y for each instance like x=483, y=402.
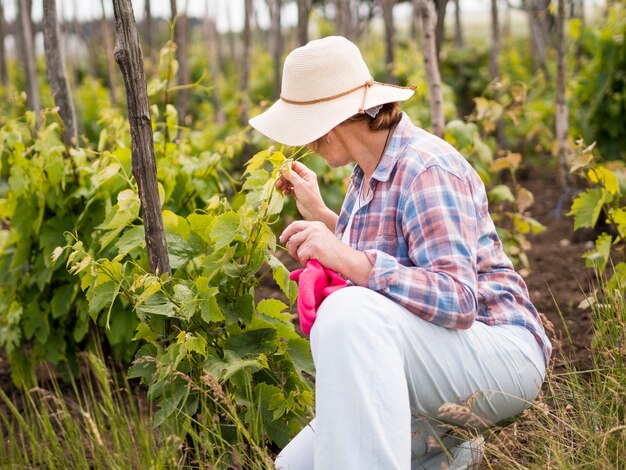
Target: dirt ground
x=559, y=279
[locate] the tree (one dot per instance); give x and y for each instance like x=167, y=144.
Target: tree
x=56, y=72
x=108, y=48
x=536, y=37
x=343, y=18
x=458, y=28
x=245, y=72
x=181, y=36
x=130, y=60
x=561, y=120
x=276, y=43
x=28, y=56
x=212, y=40
x=304, y=9
x=3, y=61
x=149, y=28
x=390, y=34
x=440, y=30
x=494, y=69
x=427, y=13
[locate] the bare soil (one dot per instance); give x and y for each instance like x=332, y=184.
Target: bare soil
x=559, y=279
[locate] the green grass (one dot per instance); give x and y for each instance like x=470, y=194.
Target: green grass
x=100, y=422
x=580, y=421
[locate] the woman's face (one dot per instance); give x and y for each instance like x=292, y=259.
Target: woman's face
x=330, y=149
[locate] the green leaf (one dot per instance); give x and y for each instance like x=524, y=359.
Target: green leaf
x=598, y=257
x=243, y=309
x=144, y=365
x=253, y=343
x=587, y=206
x=299, y=349
x=62, y=300
x=121, y=325
x=35, y=322
x=106, y=173
x=143, y=332
x=181, y=251
x=132, y=238
x=605, y=177
x=185, y=297
x=196, y=344
x=273, y=308
x=501, y=193
x=281, y=276
x=268, y=398
x=158, y=304
x=100, y=297
x=209, y=308
x=201, y=225
x=176, y=224
x=257, y=161
x=225, y=229
x=232, y=363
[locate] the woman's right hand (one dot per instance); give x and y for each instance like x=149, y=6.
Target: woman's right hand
x=301, y=183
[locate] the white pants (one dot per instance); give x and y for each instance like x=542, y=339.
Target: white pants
x=382, y=373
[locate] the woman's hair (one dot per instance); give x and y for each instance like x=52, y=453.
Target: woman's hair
x=388, y=116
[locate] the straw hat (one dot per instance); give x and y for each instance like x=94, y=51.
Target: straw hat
x=324, y=83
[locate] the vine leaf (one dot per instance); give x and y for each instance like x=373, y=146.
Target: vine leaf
x=587, y=206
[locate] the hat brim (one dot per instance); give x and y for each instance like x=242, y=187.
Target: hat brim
x=299, y=124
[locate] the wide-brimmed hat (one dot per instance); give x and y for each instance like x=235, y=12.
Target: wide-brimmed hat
x=324, y=83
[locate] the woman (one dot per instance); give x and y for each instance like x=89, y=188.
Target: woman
x=435, y=313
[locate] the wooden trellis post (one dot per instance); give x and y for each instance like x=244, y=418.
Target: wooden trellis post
x=130, y=60
x=56, y=72
x=427, y=12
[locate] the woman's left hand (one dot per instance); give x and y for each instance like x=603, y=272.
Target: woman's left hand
x=313, y=240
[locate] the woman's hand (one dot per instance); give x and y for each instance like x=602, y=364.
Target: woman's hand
x=301, y=183
x=313, y=240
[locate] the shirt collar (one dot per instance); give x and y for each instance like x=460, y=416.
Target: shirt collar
x=397, y=143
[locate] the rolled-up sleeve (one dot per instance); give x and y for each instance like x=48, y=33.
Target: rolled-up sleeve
x=438, y=220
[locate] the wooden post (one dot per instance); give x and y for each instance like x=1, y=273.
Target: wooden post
x=130, y=60
x=304, y=8
x=181, y=34
x=561, y=120
x=149, y=29
x=494, y=69
x=28, y=52
x=390, y=38
x=427, y=12
x=56, y=72
x=3, y=60
x=245, y=71
x=108, y=47
x=536, y=37
x=276, y=44
x=440, y=26
x=458, y=27
x=212, y=40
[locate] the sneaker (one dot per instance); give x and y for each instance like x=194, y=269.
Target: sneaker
x=468, y=455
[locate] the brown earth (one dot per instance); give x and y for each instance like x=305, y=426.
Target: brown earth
x=559, y=278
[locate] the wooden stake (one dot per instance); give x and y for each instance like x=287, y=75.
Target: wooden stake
x=130, y=60
x=56, y=72
x=427, y=12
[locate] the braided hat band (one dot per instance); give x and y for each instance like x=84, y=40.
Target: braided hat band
x=366, y=86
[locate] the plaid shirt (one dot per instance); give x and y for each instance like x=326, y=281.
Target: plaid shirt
x=427, y=231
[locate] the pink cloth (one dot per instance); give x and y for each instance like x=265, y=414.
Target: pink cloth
x=315, y=283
